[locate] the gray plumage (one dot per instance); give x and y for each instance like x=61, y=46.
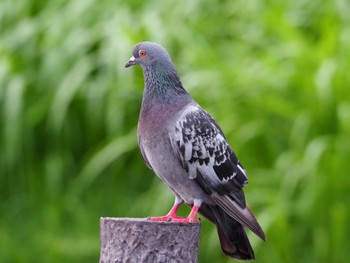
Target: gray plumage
x=186, y=148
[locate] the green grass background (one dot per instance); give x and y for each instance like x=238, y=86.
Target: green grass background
x=274, y=74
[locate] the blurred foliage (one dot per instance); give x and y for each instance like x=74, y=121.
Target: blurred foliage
x=274, y=74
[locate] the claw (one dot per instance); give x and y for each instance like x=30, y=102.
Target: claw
x=172, y=217
x=168, y=217
x=191, y=217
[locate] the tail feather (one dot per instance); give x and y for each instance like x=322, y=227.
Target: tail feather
x=233, y=239
x=243, y=216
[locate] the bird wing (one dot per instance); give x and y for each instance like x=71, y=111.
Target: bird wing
x=208, y=159
x=203, y=151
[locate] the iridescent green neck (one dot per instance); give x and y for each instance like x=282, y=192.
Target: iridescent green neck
x=162, y=83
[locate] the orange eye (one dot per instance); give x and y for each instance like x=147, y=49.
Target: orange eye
x=142, y=53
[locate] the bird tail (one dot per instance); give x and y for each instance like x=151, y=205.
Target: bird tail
x=233, y=238
x=244, y=216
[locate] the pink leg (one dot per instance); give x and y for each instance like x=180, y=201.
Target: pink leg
x=171, y=215
x=191, y=217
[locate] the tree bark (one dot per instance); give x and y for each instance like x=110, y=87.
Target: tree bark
x=129, y=240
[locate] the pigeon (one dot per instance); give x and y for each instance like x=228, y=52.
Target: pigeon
x=184, y=146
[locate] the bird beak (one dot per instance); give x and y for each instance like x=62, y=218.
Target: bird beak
x=131, y=62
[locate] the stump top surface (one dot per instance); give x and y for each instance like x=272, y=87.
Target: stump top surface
x=145, y=220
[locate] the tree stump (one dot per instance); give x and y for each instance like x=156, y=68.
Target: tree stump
x=130, y=240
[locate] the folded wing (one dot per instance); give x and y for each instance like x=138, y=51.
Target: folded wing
x=208, y=159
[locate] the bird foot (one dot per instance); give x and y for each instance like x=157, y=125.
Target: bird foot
x=186, y=220
x=166, y=218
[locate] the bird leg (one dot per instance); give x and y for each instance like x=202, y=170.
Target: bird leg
x=191, y=217
x=171, y=215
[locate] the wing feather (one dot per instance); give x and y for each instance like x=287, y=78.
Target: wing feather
x=203, y=151
x=209, y=160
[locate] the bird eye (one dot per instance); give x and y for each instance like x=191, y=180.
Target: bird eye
x=142, y=53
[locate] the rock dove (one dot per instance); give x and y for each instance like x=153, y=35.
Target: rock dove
x=188, y=151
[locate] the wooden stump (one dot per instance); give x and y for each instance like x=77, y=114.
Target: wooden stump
x=129, y=240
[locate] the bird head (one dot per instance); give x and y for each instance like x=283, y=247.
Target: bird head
x=148, y=53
